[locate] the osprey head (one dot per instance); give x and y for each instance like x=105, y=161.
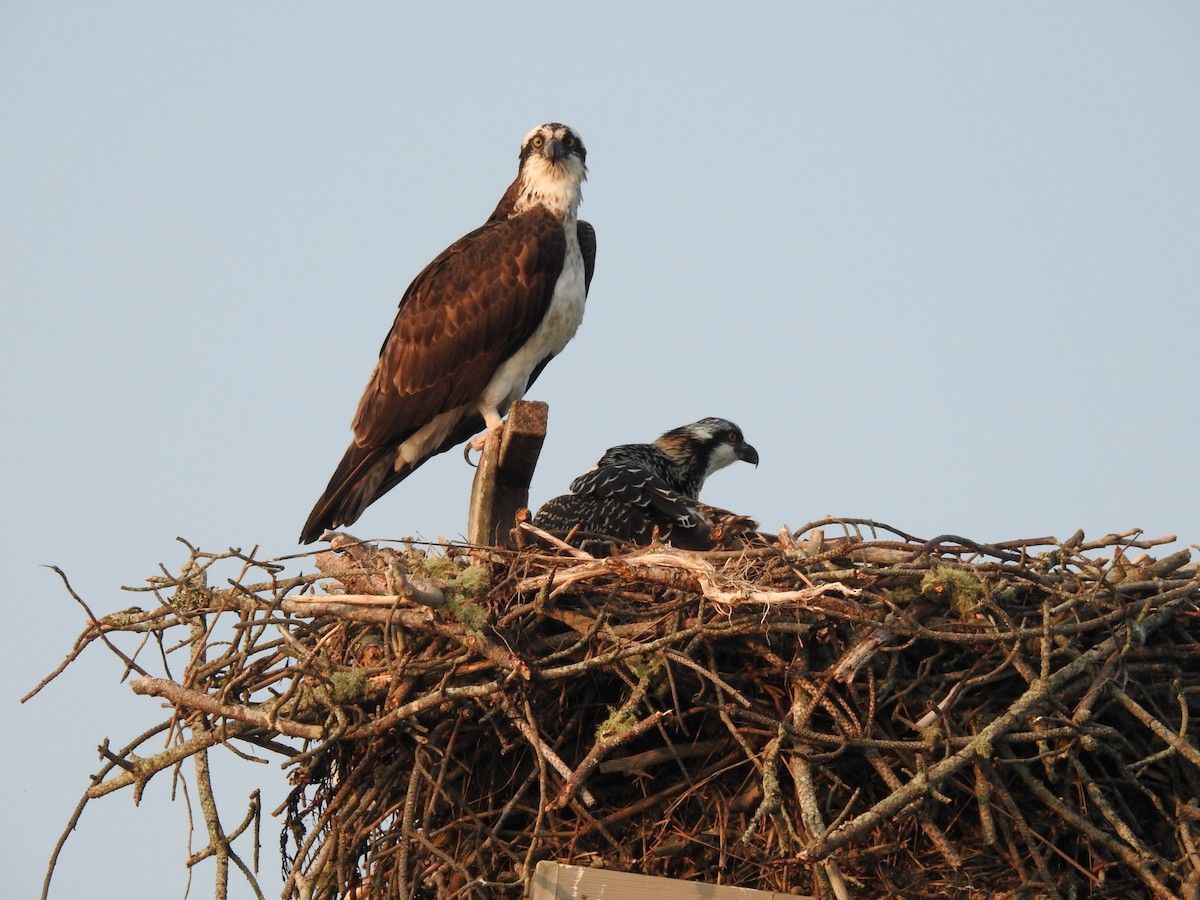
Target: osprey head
x=705, y=446
x=553, y=166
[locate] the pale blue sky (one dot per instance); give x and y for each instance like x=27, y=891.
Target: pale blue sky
x=940, y=261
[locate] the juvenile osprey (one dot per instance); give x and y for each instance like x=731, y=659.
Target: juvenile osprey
x=474, y=329
x=637, y=488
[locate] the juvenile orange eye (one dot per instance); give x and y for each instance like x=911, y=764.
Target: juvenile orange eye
x=733, y=436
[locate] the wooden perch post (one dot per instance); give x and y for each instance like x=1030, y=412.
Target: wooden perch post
x=505, y=470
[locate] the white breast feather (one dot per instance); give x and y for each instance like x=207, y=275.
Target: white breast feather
x=559, y=326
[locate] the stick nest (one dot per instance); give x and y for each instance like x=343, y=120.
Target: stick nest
x=844, y=716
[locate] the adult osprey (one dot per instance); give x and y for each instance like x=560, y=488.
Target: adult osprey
x=474, y=329
x=638, y=490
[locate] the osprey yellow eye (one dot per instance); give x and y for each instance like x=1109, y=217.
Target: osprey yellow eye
x=537, y=141
x=569, y=142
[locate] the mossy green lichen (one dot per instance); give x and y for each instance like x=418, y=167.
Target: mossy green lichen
x=472, y=616
x=473, y=581
x=445, y=568
x=961, y=590
x=192, y=590
x=931, y=734
x=616, y=722
x=462, y=581
x=462, y=589
x=639, y=666
x=470, y=579
x=348, y=685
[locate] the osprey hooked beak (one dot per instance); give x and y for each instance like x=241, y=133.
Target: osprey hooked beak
x=556, y=151
x=746, y=453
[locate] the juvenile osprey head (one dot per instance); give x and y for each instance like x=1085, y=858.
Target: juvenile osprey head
x=553, y=167
x=703, y=447
x=638, y=491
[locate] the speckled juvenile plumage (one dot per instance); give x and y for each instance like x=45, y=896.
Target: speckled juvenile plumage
x=474, y=329
x=638, y=490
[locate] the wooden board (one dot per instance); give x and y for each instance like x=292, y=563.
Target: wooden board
x=553, y=881
x=505, y=471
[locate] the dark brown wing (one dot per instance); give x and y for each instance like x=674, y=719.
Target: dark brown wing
x=730, y=529
x=467, y=312
x=587, y=246
x=360, y=478
x=638, y=487
x=625, y=502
